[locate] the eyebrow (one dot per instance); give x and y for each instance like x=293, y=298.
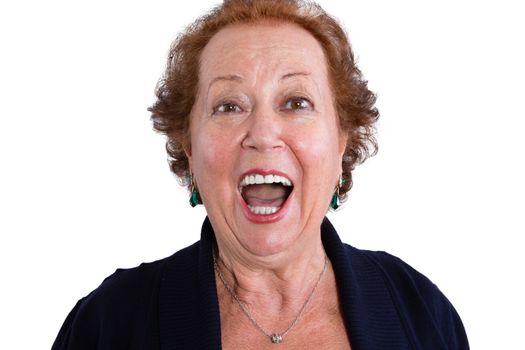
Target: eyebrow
x=293, y=74
x=238, y=79
x=231, y=77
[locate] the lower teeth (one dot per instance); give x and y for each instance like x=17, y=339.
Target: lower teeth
x=263, y=210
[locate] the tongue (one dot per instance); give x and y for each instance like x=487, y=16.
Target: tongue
x=265, y=195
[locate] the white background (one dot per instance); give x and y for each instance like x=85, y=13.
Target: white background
x=85, y=187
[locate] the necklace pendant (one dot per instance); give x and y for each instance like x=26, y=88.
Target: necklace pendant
x=277, y=338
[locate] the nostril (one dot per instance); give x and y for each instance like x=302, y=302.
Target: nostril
x=262, y=144
x=264, y=133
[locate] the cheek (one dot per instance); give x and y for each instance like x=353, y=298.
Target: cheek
x=205, y=153
x=318, y=153
x=318, y=148
x=212, y=154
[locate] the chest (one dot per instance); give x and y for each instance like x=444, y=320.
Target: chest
x=326, y=334
x=320, y=327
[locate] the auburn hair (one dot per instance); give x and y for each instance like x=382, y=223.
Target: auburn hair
x=176, y=90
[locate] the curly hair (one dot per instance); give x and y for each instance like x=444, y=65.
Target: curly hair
x=176, y=90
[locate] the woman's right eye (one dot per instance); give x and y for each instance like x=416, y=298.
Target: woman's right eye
x=226, y=108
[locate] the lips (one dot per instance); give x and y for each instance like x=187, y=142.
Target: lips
x=265, y=192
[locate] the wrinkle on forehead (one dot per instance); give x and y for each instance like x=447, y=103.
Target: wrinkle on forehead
x=235, y=52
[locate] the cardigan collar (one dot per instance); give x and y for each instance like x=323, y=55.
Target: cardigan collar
x=189, y=315
x=358, y=284
x=356, y=294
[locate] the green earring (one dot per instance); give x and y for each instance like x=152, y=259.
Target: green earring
x=335, y=203
x=195, y=198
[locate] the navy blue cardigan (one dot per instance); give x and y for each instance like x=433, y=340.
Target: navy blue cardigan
x=172, y=304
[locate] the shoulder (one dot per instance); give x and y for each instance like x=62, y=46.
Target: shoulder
x=127, y=300
x=419, y=302
x=405, y=284
x=130, y=286
x=399, y=275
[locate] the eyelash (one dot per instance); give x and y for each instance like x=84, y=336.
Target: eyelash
x=298, y=99
x=288, y=106
x=216, y=110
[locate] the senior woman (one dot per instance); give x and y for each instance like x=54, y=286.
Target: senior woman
x=266, y=115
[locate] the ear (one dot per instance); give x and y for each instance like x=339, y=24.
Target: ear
x=186, y=146
x=186, y=141
x=343, y=142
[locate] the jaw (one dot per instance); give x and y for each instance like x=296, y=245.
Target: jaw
x=289, y=232
x=245, y=233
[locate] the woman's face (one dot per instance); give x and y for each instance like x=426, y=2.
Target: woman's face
x=264, y=113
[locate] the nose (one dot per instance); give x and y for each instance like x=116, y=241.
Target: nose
x=265, y=131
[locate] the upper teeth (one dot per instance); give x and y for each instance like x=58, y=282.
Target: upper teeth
x=264, y=179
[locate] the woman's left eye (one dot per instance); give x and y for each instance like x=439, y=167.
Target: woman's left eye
x=298, y=104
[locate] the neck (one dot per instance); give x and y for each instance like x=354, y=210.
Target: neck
x=278, y=284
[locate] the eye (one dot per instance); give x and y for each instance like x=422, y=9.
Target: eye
x=298, y=104
x=226, y=108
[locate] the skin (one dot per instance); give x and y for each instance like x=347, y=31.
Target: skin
x=265, y=102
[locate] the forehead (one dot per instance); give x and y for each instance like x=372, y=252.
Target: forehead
x=251, y=48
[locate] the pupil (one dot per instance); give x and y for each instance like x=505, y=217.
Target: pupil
x=297, y=104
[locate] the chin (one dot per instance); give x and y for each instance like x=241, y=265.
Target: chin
x=264, y=238
x=266, y=243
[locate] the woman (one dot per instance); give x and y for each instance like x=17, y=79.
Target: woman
x=266, y=115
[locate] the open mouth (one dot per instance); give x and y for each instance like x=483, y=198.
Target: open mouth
x=265, y=194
